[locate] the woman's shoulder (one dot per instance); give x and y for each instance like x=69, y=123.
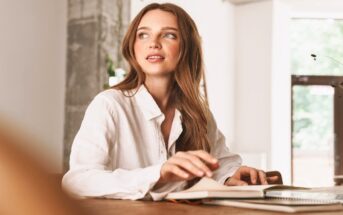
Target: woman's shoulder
x=111, y=94
x=113, y=97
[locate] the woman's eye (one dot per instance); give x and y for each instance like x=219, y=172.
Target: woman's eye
x=170, y=35
x=143, y=35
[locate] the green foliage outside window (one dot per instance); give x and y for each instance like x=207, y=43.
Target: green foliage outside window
x=312, y=117
x=323, y=37
x=313, y=105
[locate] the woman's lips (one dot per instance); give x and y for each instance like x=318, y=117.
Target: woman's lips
x=155, y=58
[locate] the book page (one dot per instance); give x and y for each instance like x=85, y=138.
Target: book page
x=290, y=202
x=208, y=184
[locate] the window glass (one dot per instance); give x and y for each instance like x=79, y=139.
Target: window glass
x=313, y=139
x=322, y=37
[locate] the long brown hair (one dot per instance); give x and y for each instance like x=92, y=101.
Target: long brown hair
x=188, y=74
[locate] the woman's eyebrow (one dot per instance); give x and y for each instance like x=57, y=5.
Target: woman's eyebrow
x=143, y=28
x=170, y=28
x=164, y=28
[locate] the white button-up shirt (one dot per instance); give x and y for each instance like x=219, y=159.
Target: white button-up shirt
x=119, y=150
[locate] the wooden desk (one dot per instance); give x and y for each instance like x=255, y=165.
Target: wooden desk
x=110, y=207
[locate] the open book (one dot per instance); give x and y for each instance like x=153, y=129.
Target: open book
x=253, y=196
x=209, y=188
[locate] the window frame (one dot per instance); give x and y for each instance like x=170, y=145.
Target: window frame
x=337, y=83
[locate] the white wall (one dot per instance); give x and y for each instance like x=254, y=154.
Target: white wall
x=253, y=33
x=280, y=154
x=215, y=22
x=263, y=86
x=32, y=70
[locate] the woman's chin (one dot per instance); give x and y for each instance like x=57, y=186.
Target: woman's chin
x=158, y=73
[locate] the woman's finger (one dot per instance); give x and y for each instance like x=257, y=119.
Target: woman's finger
x=205, y=156
x=187, y=165
x=273, y=179
x=210, y=161
x=253, y=175
x=198, y=163
x=235, y=182
x=177, y=171
x=244, y=170
x=262, y=177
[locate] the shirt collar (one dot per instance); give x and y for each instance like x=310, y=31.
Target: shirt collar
x=151, y=110
x=147, y=103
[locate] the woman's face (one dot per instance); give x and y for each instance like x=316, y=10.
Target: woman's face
x=157, y=43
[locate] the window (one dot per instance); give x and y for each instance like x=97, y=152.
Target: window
x=317, y=101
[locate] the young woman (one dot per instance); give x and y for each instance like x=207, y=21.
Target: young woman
x=153, y=133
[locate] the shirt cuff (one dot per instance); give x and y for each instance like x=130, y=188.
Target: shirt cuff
x=163, y=191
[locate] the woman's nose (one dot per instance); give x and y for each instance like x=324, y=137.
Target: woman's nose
x=154, y=44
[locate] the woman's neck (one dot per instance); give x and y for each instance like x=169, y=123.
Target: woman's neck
x=160, y=89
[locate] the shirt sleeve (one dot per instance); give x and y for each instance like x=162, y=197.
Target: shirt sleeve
x=160, y=193
x=228, y=161
x=91, y=174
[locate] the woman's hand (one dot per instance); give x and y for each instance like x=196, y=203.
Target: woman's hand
x=250, y=176
x=188, y=165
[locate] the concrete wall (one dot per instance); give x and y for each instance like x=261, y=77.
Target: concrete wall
x=95, y=31
x=32, y=70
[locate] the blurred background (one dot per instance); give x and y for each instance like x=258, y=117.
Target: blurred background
x=277, y=105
